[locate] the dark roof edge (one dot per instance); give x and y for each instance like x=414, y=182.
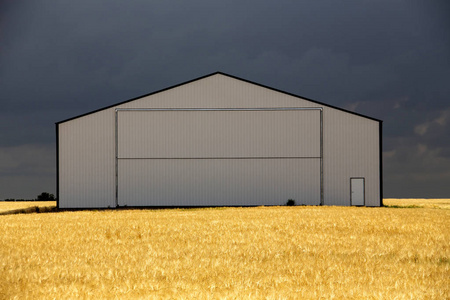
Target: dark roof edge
x=298, y=96
x=221, y=73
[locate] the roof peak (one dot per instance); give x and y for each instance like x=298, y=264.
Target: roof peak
x=227, y=75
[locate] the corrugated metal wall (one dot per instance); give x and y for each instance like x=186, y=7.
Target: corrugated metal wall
x=86, y=161
x=218, y=133
x=218, y=157
x=351, y=149
x=87, y=150
x=211, y=182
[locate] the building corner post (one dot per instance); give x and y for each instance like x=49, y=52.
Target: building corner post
x=321, y=159
x=116, y=157
x=381, y=162
x=57, y=164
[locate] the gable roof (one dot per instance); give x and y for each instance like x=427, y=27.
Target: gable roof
x=224, y=74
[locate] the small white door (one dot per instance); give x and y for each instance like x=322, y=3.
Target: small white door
x=357, y=191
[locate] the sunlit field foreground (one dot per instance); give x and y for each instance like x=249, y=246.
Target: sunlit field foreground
x=228, y=253
x=428, y=203
x=8, y=206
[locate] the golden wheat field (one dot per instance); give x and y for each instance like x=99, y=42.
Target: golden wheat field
x=428, y=203
x=7, y=206
x=228, y=253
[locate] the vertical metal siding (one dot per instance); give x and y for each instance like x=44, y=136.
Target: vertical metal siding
x=350, y=150
x=218, y=133
x=87, y=153
x=218, y=91
x=218, y=157
x=86, y=161
x=213, y=182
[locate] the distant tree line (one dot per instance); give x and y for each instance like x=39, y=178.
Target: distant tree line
x=42, y=197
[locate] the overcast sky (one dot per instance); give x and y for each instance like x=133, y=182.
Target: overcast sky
x=388, y=59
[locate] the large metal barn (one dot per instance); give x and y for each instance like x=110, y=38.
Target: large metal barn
x=218, y=141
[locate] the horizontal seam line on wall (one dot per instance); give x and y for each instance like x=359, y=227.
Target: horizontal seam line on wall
x=282, y=157
x=221, y=109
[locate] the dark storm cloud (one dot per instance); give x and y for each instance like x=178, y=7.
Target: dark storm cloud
x=386, y=59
